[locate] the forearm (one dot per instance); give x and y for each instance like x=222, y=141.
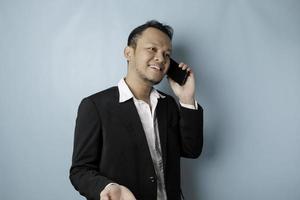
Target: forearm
x=84, y=173
x=191, y=131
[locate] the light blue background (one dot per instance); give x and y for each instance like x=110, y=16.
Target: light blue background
x=246, y=56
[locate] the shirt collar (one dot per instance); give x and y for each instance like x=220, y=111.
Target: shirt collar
x=125, y=93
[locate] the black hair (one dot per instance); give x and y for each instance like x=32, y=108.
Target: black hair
x=135, y=33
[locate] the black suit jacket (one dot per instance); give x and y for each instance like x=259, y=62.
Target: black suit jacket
x=110, y=145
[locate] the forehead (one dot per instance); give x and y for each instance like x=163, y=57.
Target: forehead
x=155, y=37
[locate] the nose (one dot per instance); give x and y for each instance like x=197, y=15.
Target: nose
x=159, y=57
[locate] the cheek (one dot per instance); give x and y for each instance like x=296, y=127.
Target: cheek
x=144, y=56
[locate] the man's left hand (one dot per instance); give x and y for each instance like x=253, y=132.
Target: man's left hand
x=186, y=92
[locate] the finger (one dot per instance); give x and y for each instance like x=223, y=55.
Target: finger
x=190, y=71
x=128, y=198
x=181, y=64
x=104, y=196
x=184, y=67
x=104, y=192
x=127, y=194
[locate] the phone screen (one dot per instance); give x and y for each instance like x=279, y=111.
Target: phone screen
x=176, y=73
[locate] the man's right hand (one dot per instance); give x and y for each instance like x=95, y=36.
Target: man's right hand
x=116, y=192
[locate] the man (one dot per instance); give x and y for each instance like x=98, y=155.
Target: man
x=129, y=139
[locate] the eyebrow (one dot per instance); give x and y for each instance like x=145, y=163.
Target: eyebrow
x=155, y=44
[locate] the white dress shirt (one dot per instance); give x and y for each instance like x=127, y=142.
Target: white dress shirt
x=148, y=119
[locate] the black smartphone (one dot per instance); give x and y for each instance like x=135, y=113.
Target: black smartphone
x=176, y=73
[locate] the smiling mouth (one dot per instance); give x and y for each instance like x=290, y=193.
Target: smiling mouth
x=156, y=67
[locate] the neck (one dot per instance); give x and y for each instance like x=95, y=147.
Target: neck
x=139, y=89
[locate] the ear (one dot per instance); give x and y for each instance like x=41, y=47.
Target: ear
x=128, y=53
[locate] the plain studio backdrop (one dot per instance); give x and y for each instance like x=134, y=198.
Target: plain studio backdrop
x=246, y=57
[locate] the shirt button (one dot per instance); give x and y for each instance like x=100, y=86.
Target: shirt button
x=152, y=179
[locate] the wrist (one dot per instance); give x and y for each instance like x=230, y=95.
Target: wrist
x=190, y=100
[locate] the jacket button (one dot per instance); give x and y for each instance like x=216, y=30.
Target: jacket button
x=152, y=179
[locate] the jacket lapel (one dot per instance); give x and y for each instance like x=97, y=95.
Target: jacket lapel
x=134, y=126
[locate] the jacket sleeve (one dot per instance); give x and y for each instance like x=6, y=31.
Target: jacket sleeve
x=191, y=131
x=84, y=172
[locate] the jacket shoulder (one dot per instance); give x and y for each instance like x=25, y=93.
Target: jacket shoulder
x=106, y=96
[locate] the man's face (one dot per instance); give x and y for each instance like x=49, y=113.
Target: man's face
x=150, y=60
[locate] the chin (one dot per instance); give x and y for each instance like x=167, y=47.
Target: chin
x=155, y=81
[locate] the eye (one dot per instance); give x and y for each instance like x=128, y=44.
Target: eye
x=153, y=49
